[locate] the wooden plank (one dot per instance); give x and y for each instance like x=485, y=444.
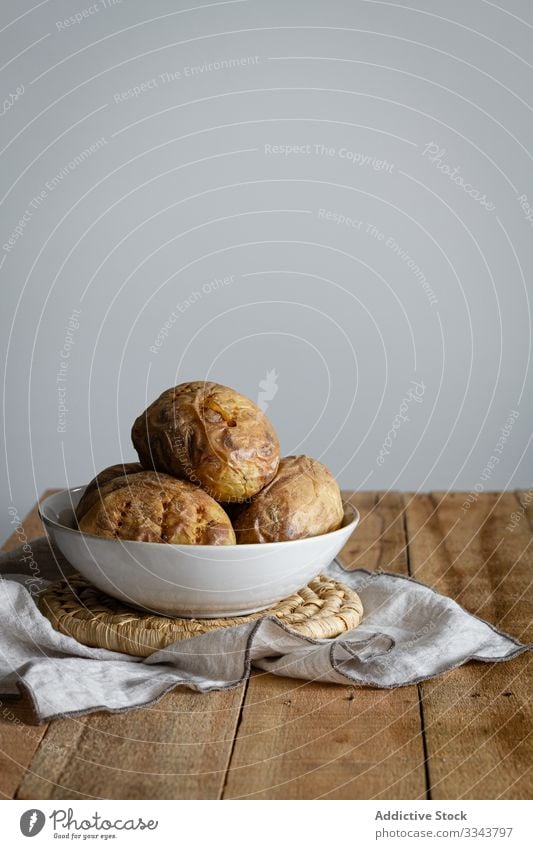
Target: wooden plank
x=524, y=511
x=18, y=744
x=180, y=750
x=176, y=749
x=300, y=740
x=18, y=740
x=31, y=524
x=180, y=746
x=379, y=541
x=477, y=718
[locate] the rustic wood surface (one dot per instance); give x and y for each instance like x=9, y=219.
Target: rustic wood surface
x=462, y=735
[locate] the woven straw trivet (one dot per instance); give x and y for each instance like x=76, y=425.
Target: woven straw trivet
x=323, y=609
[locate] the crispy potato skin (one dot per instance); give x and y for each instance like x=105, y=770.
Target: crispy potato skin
x=303, y=500
x=155, y=507
x=91, y=494
x=211, y=435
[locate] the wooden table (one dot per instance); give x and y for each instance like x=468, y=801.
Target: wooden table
x=463, y=735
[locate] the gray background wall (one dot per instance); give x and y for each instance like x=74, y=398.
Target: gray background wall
x=414, y=122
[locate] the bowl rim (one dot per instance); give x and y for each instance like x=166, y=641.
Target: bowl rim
x=48, y=522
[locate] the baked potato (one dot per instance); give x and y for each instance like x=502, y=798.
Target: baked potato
x=211, y=435
x=155, y=507
x=303, y=500
x=91, y=494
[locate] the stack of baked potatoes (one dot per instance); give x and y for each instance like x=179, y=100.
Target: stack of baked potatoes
x=210, y=473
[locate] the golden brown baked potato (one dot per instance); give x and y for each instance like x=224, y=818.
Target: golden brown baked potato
x=303, y=500
x=210, y=435
x=91, y=494
x=155, y=507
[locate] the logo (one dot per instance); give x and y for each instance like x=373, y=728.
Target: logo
x=269, y=388
x=32, y=822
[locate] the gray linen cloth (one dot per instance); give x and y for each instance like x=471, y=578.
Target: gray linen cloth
x=408, y=633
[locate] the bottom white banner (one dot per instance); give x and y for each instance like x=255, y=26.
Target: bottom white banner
x=356, y=823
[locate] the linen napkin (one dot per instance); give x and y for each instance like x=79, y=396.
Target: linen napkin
x=408, y=633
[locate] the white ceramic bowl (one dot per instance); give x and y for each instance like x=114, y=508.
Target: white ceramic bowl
x=191, y=580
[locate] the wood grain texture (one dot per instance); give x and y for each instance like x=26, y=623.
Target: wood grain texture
x=31, y=524
x=300, y=740
x=524, y=509
x=176, y=749
x=18, y=739
x=18, y=743
x=477, y=718
x=179, y=748
x=291, y=739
